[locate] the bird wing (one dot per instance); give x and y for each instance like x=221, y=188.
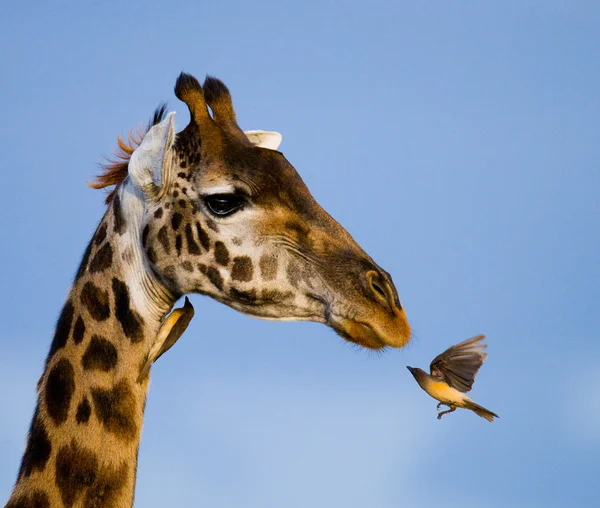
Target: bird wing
x=459, y=364
x=170, y=332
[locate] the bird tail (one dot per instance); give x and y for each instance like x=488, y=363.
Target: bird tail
x=481, y=411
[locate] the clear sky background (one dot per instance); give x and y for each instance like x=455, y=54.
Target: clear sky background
x=457, y=141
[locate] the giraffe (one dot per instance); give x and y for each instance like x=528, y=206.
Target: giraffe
x=208, y=210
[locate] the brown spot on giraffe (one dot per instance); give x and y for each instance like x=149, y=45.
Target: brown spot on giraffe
x=203, y=237
x=163, y=238
x=95, y=300
x=176, y=221
x=115, y=409
x=191, y=243
x=63, y=328
x=100, y=354
x=84, y=261
x=293, y=274
x=102, y=259
x=78, y=330
x=212, y=225
x=242, y=269
x=76, y=471
x=60, y=386
x=106, y=491
x=100, y=235
x=268, y=267
x=119, y=224
x=214, y=277
x=246, y=296
x=38, y=448
x=84, y=411
x=130, y=320
x=221, y=254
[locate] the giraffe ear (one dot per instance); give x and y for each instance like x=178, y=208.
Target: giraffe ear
x=264, y=139
x=147, y=165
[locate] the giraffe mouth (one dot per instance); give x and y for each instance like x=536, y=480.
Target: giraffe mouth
x=357, y=332
x=390, y=330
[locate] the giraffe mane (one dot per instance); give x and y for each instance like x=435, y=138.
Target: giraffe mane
x=114, y=171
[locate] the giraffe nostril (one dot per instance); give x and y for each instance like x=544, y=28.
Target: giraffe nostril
x=377, y=288
x=377, y=285
x=382, y=290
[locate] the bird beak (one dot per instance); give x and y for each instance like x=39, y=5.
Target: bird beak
x=413, y=370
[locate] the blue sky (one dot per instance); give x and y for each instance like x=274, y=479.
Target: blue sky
x=457, y=142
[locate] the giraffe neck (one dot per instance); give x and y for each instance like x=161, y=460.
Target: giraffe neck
x=83, y=442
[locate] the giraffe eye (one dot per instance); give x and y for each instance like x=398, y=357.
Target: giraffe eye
x=223, y=205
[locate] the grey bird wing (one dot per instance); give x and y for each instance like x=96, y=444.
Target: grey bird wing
x=459, y=364
x=172, y=329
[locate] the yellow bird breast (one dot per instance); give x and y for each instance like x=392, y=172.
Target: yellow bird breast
x=443, y=392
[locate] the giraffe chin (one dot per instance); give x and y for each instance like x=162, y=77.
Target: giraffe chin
x=366, y=336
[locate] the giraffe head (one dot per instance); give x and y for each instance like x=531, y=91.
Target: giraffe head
x=226, y=215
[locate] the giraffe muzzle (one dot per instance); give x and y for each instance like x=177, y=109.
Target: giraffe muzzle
x=374, y=317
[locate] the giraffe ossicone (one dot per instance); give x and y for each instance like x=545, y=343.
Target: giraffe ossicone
x=207, y=210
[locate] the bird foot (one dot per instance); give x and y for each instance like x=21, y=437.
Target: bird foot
x=442, y=413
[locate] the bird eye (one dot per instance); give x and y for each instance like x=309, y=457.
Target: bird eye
x=223, y=205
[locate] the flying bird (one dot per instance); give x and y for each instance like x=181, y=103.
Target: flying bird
x=172, y=328
x=452, y=374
